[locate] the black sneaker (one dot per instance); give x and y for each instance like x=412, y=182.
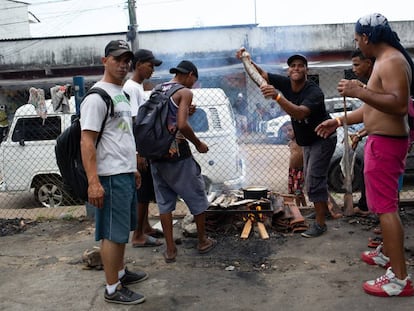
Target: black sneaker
x=312, y=215
x=133, y=277
x=314, y=231
x=124, y=296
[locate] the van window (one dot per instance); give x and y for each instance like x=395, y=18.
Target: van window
x=198, y=121
x=34, y=129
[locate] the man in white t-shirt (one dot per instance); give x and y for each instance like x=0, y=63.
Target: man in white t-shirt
x=143, y=65
x=112, y=173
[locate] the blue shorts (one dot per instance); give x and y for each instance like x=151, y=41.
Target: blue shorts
x=118, y=217
x=181, y=178
x=316, y=160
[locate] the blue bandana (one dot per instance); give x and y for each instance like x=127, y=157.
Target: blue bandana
x=376, y=27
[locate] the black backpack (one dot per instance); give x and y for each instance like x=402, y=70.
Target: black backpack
x=68, y=152
x=152, y=137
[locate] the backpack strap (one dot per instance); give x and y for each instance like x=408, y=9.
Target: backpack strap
x=109, y=105
x=105, y=96
x=174, y=88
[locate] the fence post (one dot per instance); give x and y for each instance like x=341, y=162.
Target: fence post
x=79, y=86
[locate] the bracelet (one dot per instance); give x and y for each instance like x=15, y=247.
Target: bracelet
x=338, y=121
x=277, y=97
x=359, y=136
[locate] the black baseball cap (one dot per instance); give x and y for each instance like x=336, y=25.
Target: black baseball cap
x=117, y=48
x=143, y=55
x=297, y=56
x=185, y=66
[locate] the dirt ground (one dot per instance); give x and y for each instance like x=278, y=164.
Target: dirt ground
x=41, y=269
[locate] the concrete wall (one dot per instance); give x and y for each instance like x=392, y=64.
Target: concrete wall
x=209, y=46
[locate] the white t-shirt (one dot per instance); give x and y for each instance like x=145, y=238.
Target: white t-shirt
x=115, y=152
x=136, y=94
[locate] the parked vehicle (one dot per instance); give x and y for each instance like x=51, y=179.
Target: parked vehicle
x=276, y=133
x=28, y=162
x=27, y=154
x=275, y=129
x=335, y=176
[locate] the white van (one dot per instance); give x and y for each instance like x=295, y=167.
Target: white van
x=28, y=162
x=27, y=154
x=214, y=123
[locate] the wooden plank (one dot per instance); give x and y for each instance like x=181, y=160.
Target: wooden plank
x=262, y=230
x=246, y=229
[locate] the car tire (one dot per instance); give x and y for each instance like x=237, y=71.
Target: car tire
x=208, y=184
x=50, y=191
x=336, y=178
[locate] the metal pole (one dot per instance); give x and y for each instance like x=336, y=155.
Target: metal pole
x=79, y=83
x=132, y=34
x=255, y=13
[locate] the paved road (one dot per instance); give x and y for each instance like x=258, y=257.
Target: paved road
x=41, y=269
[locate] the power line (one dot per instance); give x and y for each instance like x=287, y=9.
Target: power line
x=58, y=14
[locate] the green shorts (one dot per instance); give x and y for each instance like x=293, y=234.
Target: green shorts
x=118, y=217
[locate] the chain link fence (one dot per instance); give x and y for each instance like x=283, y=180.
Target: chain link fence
x=246, y=135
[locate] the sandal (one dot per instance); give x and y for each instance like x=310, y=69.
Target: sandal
x=377, y=230
x=156, y=233
x=169, y=259
x=208, y=248
x=374, y=242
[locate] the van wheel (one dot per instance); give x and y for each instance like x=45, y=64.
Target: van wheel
x=208, y=184
x=336, y=178
x=50, y=193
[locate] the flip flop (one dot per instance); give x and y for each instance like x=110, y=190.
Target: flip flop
x=374, y=242
x=377, y=230
x=360, y=212
x=169, y=259
x=149, y=242
x=208, y=248
x=156, y=233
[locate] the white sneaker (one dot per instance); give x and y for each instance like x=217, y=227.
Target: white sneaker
x=388, y=285
x=376, y=257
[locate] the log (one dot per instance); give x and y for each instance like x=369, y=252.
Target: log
x=262, y=230
x=246, y=229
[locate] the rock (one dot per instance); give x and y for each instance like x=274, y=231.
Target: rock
x=92, y=258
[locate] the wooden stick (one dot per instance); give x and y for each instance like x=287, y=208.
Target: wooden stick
x=262, y=230
x=246, y=229
x=348, y=200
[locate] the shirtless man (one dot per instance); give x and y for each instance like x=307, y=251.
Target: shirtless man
x=385, y=96
x=362, y=68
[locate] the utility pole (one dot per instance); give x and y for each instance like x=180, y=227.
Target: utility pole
x=132, y=34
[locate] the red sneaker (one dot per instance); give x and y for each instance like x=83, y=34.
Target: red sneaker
x=388, y=285
x=376, y=257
